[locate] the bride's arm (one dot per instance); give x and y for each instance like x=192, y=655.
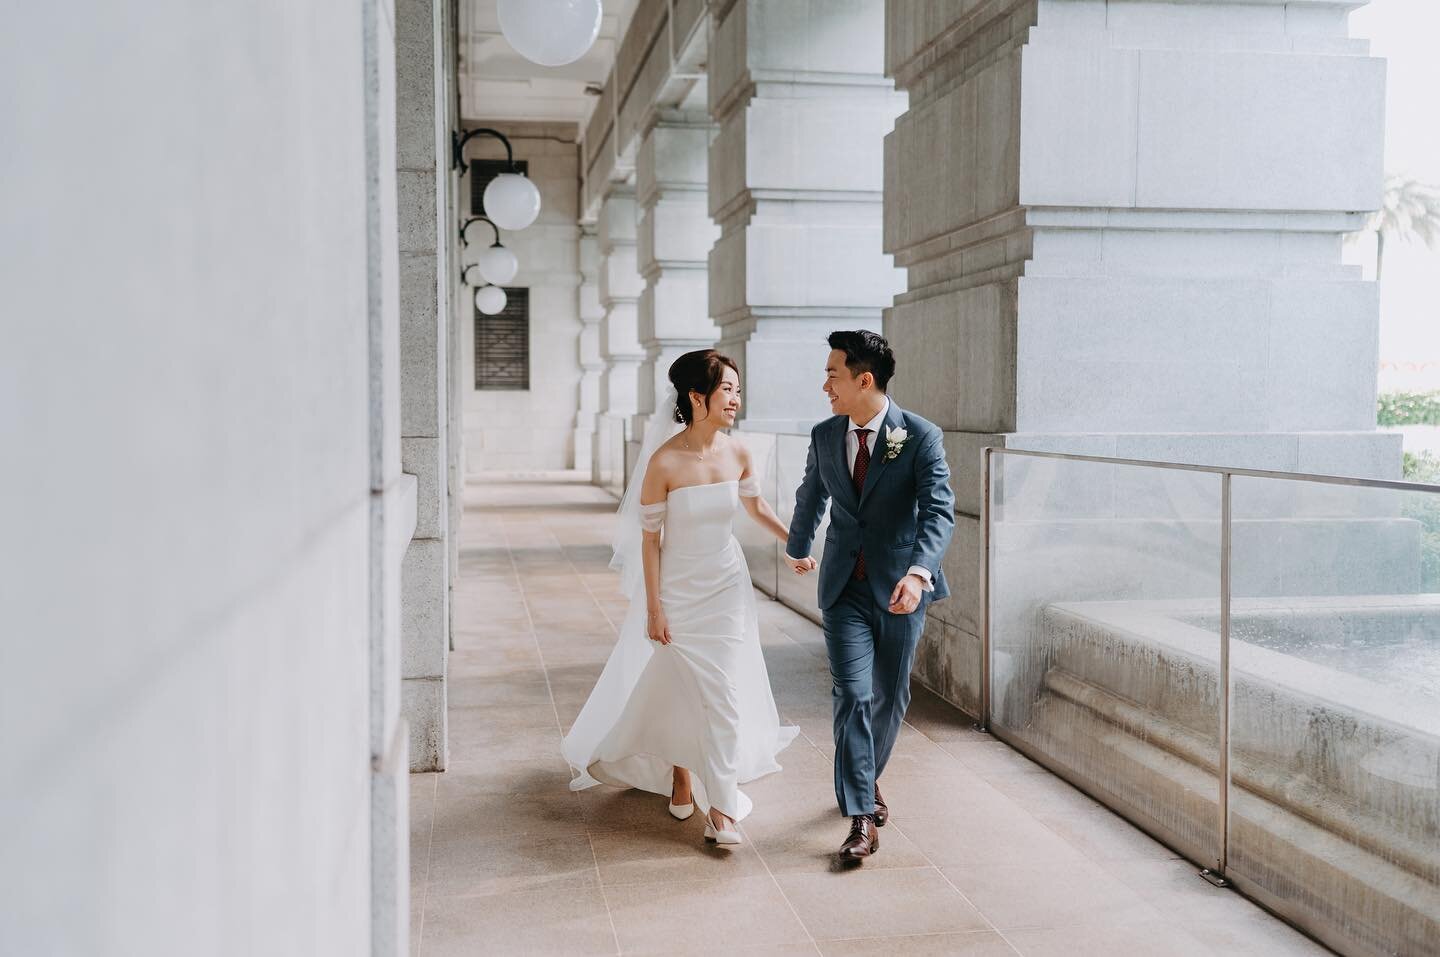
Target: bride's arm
x=653, y=492
x=755, y=503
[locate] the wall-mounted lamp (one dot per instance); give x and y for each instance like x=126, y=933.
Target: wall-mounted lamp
x=496, y=263
x=550, y=32
x=511, y=200
x=471, y=276
x=490, y=299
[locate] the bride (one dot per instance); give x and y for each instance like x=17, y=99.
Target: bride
x=683, y=707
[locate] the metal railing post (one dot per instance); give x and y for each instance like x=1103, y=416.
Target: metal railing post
x=1216, y=875
x=985, y=670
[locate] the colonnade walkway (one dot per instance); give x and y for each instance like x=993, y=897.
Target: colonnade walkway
x=985, y=854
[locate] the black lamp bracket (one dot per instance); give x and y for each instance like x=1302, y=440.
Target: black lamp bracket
x=479, y=219
x=459, y=139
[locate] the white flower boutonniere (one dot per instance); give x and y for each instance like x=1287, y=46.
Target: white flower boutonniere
x=895, y=442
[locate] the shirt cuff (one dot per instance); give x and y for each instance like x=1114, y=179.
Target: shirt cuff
x=792, y=558
x=923, y=574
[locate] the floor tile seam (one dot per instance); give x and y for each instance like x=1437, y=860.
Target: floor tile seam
x=614, y=629
x=904, y=869
x=963, y=896
x=540, y=654
x=525, y=603
x=604, y=897
x=920, y=936
x=1101, y=863
x=425, y=881
x=775, y=882
x=589, y=838
x=797, y=644
x=555, y=710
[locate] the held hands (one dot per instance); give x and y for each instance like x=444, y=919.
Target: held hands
x=801, y=566
x=906, y=596
x=657, y=627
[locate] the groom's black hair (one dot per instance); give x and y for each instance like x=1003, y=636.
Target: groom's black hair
x=866, y=351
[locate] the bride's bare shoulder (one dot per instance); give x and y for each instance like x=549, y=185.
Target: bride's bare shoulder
x=659, y=472
x=666, y=455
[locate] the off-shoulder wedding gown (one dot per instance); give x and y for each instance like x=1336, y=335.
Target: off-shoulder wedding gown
x=702, y=702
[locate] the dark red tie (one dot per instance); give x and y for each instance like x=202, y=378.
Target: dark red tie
x=862, y=466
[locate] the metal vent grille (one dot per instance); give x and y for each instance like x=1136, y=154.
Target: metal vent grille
x=481, y=173
x=502, y=344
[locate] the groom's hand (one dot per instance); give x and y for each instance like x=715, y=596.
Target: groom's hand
x=800, y=565
x=906, y=596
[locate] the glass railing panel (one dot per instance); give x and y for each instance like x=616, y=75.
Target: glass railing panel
x=1104, y=599
x=1335, y=719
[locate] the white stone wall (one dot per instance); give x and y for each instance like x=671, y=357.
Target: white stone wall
x=801, y=105
x=190, y=484
x=1122, y=225
x=534, y=429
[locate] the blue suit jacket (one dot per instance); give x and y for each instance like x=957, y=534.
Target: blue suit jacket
x=904, y=515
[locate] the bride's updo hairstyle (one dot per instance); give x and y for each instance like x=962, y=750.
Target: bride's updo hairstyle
x=700, y=371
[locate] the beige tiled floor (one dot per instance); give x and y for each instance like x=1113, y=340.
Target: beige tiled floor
x=986, y=854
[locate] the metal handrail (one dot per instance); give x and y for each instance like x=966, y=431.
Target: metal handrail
x=1215, y=875
x=1220, y=470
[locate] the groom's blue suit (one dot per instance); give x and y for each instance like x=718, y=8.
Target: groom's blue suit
x=902, y=517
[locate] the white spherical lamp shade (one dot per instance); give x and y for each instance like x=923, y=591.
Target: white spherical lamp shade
x=550, y=32
x=497, y=264
x=490, y=299
x=477, y=230
x=512, y=201
x=471, y=276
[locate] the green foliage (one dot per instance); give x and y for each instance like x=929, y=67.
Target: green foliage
x=1422, y=467
x=1425, y=509
x=1409, y=408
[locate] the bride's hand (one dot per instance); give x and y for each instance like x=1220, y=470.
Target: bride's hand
x=801, y=565
x=658, y=627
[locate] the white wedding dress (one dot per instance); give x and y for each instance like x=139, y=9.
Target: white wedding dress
x=702, y=702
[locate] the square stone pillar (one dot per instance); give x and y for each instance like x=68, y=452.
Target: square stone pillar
x=620, y=288
x=423, y=163
x=798, y=91
x=591, y=362
x=1122, y=227
x=674, y=242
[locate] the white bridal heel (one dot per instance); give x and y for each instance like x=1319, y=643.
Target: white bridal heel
x=720, y=835
x=681, y=812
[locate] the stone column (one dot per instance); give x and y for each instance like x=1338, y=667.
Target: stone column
x=391, y=517
x=591, y=362
x=798, y=92
x=423, y=172
x=675, y=237
x=620, y=288
x=1122, y=224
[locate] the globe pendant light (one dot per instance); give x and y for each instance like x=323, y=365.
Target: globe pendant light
x=490, y=299
x=512, y=201
x=497, y=264
x=550, y=32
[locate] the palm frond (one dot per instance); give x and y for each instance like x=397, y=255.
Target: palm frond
x=1409, y=211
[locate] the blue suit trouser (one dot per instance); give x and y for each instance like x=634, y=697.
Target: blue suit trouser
x=871, y=652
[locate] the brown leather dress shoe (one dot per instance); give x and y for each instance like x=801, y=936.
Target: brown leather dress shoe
x=863, y=841
x=882, y=810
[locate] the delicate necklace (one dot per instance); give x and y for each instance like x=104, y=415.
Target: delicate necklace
x=685, y=441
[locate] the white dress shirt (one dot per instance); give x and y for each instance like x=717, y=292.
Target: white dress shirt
x=852, y=450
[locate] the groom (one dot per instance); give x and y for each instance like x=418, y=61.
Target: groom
x=892, y=512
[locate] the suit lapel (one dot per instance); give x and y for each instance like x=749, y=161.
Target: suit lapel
x=894, y=419
x=838, y=457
